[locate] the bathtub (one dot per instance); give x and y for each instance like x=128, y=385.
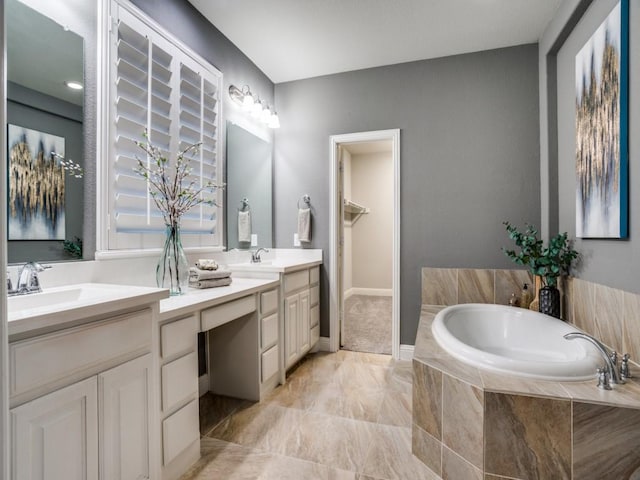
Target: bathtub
x=514, y=341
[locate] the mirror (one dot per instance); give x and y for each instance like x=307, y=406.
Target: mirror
x=249, y=174
x=46, y=207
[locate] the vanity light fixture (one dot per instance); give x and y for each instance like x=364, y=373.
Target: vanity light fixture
x=252, y=105
x=73, y=85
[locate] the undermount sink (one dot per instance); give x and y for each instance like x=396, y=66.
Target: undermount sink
x=55, y=296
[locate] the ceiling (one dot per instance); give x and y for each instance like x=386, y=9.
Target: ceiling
x=366, y=148
x=294, y=39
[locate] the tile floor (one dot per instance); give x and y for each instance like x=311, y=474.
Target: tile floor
x=344, y=415
x=367, y=324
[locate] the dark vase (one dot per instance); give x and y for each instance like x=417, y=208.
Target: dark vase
x=550, y=301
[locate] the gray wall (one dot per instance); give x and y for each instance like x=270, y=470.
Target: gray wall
x=469, y=157
x=610, y=262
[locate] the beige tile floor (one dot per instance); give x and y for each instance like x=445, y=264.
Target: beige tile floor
x=344, y=415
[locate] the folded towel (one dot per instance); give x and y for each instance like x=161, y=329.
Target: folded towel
x=207, y=264
x=244, y=226
x=304, y=224
x=219, y=282
x=196, y=274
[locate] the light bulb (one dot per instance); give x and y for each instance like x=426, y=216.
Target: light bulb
x=256, y=109
x=247, y=102
x=274, y=121
x=265, y=116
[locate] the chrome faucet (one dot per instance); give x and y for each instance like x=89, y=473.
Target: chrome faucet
x=28, y=281
x=255, y=256
x=610, y=358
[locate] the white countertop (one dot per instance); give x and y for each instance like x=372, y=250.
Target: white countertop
x=61, y=307
x=279, y=265
x=197, y=299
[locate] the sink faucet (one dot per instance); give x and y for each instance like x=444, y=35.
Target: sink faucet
x=255, y=256
x=610, y=359
x=28, y=281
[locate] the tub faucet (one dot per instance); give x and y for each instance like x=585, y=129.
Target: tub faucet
x=611, y=367
x=28, y=281
x=255, y=256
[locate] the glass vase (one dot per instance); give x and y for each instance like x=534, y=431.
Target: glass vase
x=172, y=271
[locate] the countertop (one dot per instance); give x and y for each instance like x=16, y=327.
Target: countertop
x=100, y=301
x=278, y=265
x=198, y=299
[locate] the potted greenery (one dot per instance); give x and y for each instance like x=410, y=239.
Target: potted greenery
x=547, y=262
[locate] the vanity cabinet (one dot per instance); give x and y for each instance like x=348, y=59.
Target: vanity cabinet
x=301, y=314
x=76, y=419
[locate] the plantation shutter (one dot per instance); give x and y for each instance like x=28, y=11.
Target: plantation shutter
x=161, y=87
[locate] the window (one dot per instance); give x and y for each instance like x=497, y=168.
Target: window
x=159, y=86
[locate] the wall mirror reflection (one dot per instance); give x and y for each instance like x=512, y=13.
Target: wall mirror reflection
x=249, y=193
x=45, y=136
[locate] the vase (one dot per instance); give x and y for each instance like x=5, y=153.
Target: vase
x=550, y=301
x=172, y=271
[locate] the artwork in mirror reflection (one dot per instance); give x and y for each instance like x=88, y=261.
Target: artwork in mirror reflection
x=249, y=198
x=36, y=185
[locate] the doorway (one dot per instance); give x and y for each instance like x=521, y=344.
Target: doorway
x=365, y=240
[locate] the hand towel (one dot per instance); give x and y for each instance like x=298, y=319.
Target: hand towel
x=219, y=282
x=304, y=224
x=196, y=274
x=207, y=264
x=244, y=226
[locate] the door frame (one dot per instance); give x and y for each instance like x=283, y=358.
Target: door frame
x=335, y=217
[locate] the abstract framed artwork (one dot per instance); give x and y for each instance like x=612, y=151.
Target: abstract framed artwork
x=36, y=208
x=601, y=67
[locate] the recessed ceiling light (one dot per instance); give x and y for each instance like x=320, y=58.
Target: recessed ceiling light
x=73, y=85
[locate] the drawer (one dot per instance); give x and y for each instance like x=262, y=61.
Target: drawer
x=179, y=380
x=315, y=335
x=314, y=295
x=314, y=316
x=269, y=302
x=295, y=281
x=216, y=316
x=269, y=331
x=270, y=363
x=314, y=275
x=179, y=337
x=179, y=431
x=82, y=350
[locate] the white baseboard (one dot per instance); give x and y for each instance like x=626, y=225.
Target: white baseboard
x=373, y=292
x=406, y=352
x=323, y=345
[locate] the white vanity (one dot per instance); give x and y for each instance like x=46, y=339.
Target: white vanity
x=104, y=378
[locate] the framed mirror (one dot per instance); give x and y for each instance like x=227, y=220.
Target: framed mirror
x=249, y=210
x=47, y=130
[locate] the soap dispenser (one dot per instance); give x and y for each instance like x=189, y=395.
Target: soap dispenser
x=525, y=296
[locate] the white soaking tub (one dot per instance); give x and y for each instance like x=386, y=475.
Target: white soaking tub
x=515, y=341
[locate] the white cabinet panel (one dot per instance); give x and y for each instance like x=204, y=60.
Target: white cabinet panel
x=314, y=275
x=303, y=325
x=216, y=316
x=270, y=363
x=56, y=436
x=315, y=317
x=124, y=420
x=269, y=331
x=179, y=380
x=43, y=360
x=296, y=280
x=315, y=335
x=291, y=307
x=314, y=295
x=179, y=431
x=179, y=336
x=269, y=302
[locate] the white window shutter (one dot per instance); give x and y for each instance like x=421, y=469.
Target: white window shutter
x=159, y=86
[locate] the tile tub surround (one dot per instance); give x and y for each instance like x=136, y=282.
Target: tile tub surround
x=494, y=426
x=609, y=314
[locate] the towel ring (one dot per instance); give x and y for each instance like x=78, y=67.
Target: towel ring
x=306, y=200
x=244, y=205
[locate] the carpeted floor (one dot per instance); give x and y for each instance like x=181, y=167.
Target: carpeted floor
x=367, y=324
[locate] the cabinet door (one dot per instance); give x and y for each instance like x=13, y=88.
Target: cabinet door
x=56, y=436
x=124, y=420
x=303, y=323
x=291, y=308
